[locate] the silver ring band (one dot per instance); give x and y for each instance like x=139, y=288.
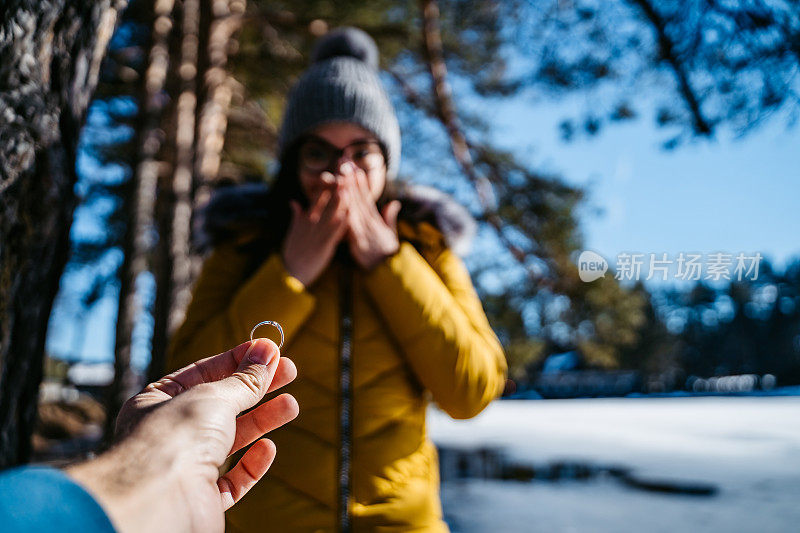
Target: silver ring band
x=270, y=323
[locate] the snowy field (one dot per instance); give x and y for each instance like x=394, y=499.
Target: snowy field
x=747, y=447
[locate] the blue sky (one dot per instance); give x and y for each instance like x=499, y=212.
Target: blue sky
x=725, y=194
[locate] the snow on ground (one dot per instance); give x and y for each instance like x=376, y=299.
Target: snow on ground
x=749, y=447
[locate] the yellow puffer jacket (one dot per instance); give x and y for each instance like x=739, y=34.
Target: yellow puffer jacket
x=419, y=332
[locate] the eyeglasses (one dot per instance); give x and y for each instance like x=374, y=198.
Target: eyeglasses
x=318, y=155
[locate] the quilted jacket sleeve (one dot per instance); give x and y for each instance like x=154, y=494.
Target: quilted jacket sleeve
x=225, y=306
x=437, y=318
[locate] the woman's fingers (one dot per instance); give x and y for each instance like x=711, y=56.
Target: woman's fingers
x=368, y=202
x=333, y=207
x=316, y=210
x=389, y=214
x=263, y=419
x=363, y=184
x=357, y=224
x=250, y=468
x=340, y=230
x=365, y=202
x=333, y=223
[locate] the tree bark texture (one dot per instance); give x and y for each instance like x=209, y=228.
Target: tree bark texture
x=50, y=56
x=174, y=205
x=140, y=204
x=200, y=122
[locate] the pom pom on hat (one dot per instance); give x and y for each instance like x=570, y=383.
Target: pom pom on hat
x=346, y=41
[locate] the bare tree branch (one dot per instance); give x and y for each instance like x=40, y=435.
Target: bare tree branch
x=668, y=53
x=446, y=114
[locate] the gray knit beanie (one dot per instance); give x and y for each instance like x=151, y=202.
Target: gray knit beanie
x=342, y=85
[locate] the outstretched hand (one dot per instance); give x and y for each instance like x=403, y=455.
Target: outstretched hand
x=179, y=431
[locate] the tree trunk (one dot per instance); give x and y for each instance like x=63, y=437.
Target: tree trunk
x=140, y=206
x=171, y=262
x=199, y=133
x=218, y=91
x=50, y=60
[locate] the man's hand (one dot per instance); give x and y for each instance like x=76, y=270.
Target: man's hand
x=313, y=236
x=178, y=432
x=372, y=235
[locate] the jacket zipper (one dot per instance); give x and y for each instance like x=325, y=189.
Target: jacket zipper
x=345, y=395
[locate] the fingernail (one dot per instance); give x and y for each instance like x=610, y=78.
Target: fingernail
x=259, y=353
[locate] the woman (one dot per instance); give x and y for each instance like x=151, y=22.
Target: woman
x=379, y=313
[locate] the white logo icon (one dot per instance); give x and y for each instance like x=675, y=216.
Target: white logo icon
x=591, y=266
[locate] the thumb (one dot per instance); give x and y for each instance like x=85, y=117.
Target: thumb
x=249, y=383
x=390, y=212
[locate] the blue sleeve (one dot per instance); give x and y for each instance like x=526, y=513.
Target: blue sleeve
x=38, y=499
